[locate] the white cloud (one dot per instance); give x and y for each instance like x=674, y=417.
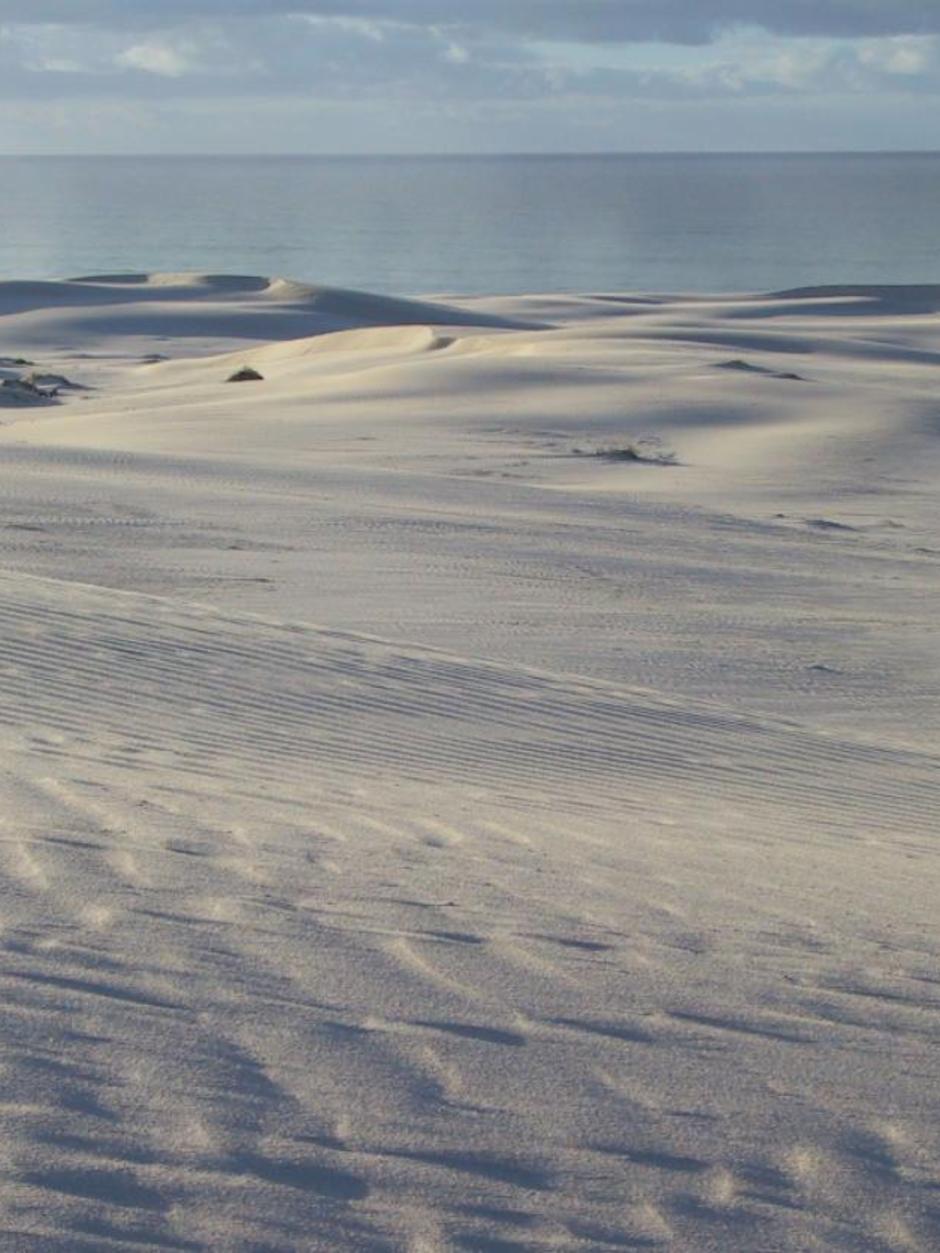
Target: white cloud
x=428, y=61
x=680, y=21
x=353, y=58
x=456, y=54
x=906, y=55
x=156, y=57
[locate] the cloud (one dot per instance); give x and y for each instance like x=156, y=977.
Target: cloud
x=156, y=57
x=364, y=54
x=909, y=56
x=309, y=57
x=601, y=21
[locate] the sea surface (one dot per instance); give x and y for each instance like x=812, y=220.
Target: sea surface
x=480, y=225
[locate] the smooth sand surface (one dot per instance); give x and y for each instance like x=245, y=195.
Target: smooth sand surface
x=477, y=787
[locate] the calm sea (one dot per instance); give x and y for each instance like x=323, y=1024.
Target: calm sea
x=482, y=224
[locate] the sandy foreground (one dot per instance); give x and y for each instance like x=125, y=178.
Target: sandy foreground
x=477, y=787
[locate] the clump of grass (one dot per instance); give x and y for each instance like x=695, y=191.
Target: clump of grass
x=247, y=374
x=25, y=392
x=647, y=451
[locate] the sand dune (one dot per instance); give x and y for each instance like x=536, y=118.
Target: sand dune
x=92, y=313
x=425, y=830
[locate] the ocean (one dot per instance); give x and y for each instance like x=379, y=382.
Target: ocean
x=478, y=225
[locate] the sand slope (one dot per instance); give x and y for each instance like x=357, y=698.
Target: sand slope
x=421, y=833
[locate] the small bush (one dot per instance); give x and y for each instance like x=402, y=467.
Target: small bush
x=23, y=392
x=245, y=375
x=648, y=451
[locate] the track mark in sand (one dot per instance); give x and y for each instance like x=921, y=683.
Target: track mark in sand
x=510, y=834
x=605, y=1237
x=677, y=1163
x=882, y=1162
x=22, y=863
x=126, y=865
x=882, y=1153
x=870, y=1009
x=405, y=952
x=804, y=1162
x=444, y=1081
x=769, y=1029
x=891, y=997
x=585, y=946
x=519, y=1174
x=468, y=1031
x=306, y=1176
x=758, y=1181
x=97, y=916
x=62, y=841
x=453, y=937
x=94, y=988
x=111, y=1187
x=190, y=848
x=248, y=869
x=528, y=963
x=828, y=524
x=623, y=1033
x=440, y=834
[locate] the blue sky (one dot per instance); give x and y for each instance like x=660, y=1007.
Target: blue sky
x=467, y=75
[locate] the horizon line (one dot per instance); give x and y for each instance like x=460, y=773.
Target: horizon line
x=459, y=156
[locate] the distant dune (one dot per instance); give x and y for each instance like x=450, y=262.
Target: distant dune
x=85, y=312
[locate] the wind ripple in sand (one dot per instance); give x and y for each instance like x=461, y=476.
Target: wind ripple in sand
x=202, y=1020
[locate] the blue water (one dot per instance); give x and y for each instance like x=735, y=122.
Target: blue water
x=481, y=225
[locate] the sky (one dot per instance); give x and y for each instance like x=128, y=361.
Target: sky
x=459, y=76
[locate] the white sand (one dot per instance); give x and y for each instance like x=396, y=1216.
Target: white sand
x=420, y=833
